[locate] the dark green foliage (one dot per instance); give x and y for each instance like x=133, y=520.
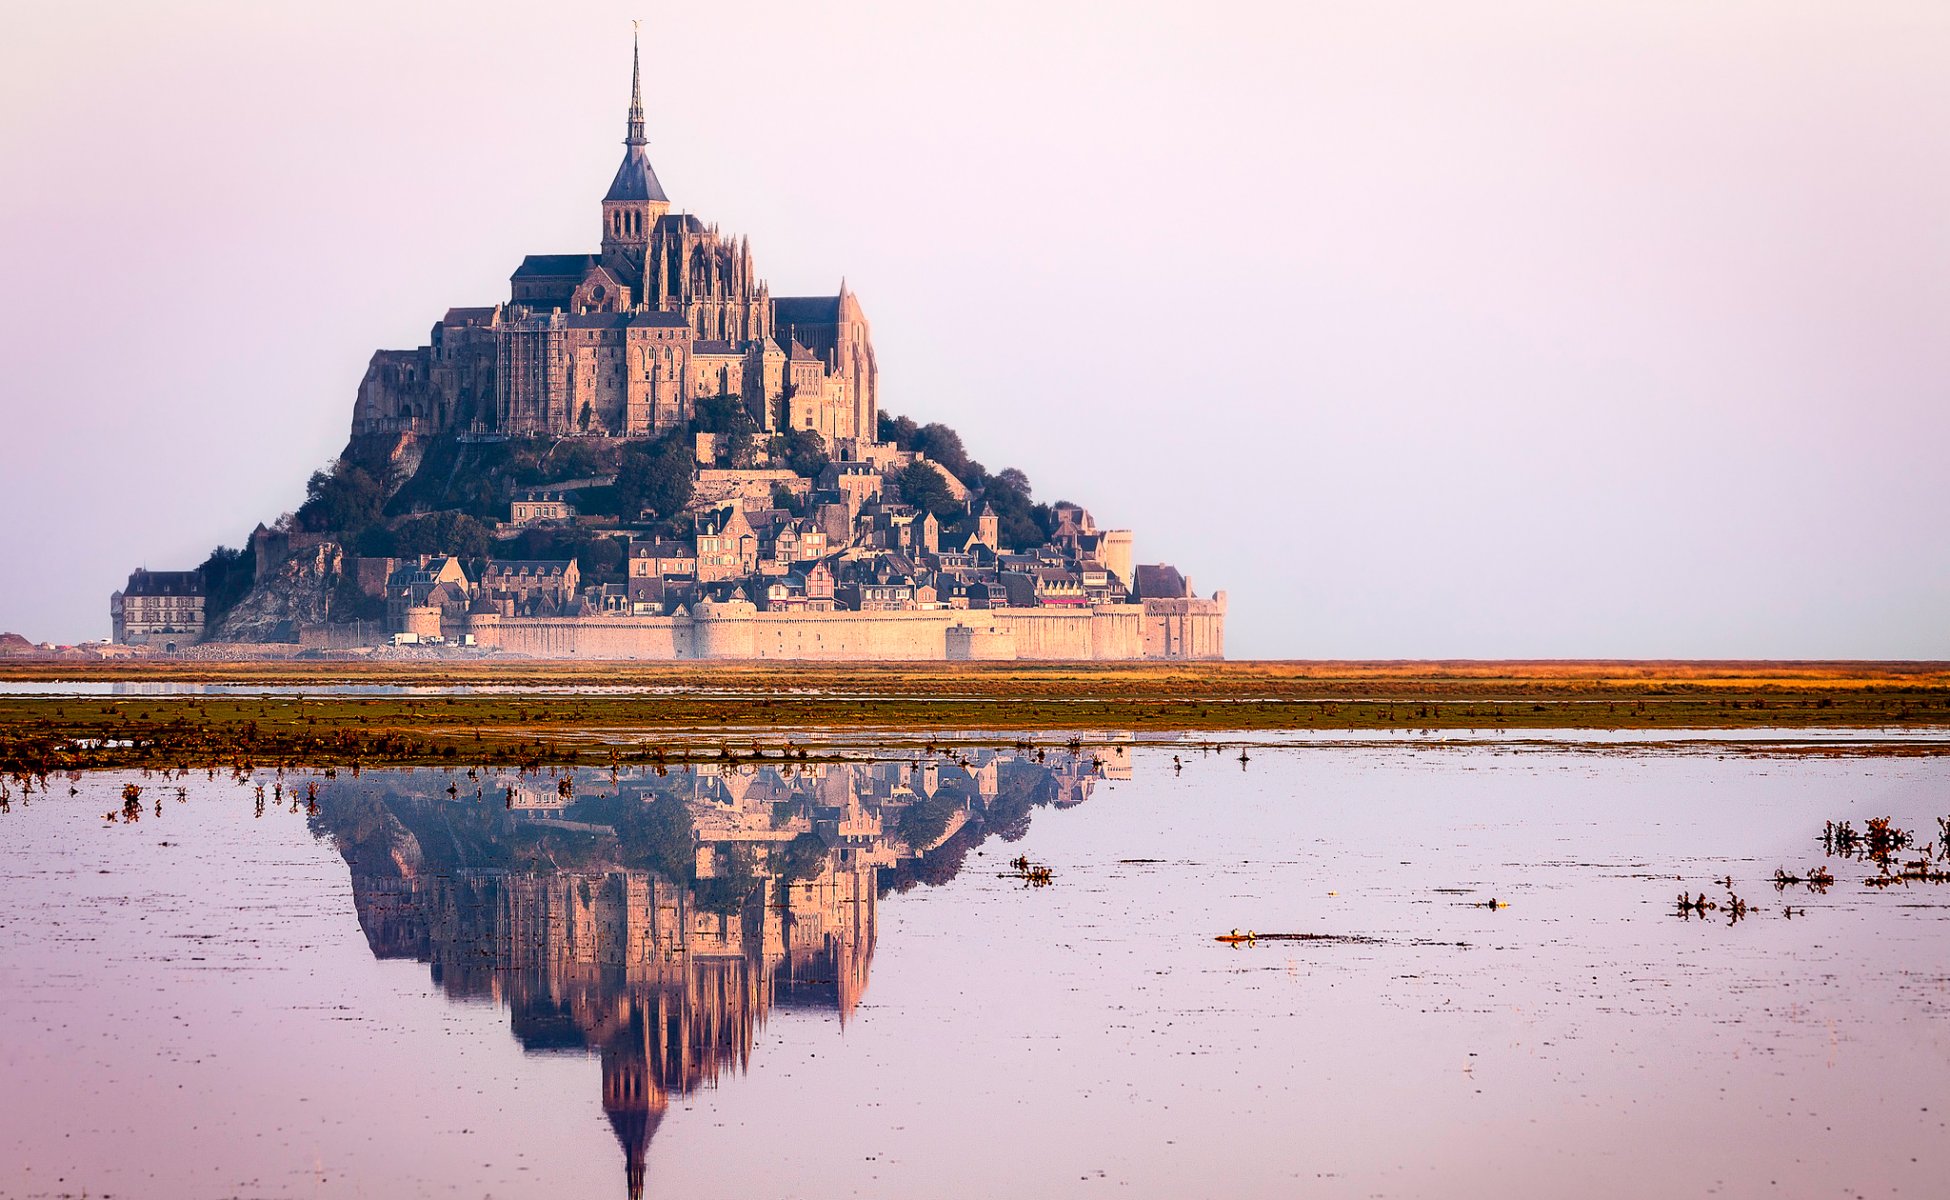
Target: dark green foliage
x=739, y=450
x=602, y=560
x=598, y=556
x=346, y=499
x=598, y=502
x=441, y=533
x=925, y=820
x=480, y=478
x=803, y=450
x=727, y=892
x=923, y=487
x=573, y=458
x=943, y=445
x=783, y=498
x=935, y=440
x=654, y=477
x=1020, y=522
x=803, y=858
x=227, y=575
x=721, y=414
x=659, y=836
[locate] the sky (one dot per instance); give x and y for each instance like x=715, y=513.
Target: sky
x=1458, y=328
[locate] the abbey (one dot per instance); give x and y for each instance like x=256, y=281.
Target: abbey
x=642, y=453
x=624, y=342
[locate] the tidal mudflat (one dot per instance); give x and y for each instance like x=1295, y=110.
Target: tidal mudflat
x=172, y=712
x=984, y=972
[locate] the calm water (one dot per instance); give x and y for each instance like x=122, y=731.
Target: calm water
x=417, y=992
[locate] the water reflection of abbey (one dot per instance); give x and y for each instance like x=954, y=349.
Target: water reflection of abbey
x=658, y=920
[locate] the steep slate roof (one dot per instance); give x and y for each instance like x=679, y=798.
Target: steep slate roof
x=686, y=222
x=554, y=266
x=805, y=310
x=712, y=346
x=1157, y=581
x=165, y=583
x=635, y=180
x=660, y=320
x=659, y=548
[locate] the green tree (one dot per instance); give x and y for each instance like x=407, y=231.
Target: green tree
x=803, y=858
x=803, y=450
x=943, y=445
x=601, y=560
x=345, y=499
x=660, y=836
x=441, y=533
x=898, y=430
x=227, y=575
x=923, y=487
x=655, y=478
x=726, y=892
x=721, y=414
x=740, y=450
x=924, y=821
x=1020, y=522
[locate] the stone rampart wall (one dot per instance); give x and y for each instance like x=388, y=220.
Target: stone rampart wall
x=736, y=631
x=588, y=637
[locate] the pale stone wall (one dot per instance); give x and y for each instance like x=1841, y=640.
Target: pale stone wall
x=717, y=486
x=1187, y=628
x=1116, y=553
x=1174, y=629
x=917, y=634
x=587, y=637
x=987, y=643
x=424, y=621
x=737, y=630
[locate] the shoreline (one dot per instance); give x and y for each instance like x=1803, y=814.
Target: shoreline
x=583, y=712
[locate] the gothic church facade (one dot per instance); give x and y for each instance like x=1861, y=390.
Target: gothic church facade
x=626, y=341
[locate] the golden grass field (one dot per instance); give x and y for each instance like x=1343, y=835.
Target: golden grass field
x=588, y=711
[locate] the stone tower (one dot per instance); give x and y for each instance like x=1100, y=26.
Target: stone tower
x=636, y=201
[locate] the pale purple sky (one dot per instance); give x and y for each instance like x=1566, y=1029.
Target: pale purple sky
x=1425, y=329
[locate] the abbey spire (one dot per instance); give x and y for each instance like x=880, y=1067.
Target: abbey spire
x=636, y=137
x=635, y=181
x=635, y=201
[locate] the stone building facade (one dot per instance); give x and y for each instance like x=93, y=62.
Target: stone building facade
x=623, y=342
x=163, y=609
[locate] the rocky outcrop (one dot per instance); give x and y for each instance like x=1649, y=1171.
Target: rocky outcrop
x=298, y=591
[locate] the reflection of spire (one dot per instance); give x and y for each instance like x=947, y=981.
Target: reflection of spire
x=617, y=959
x=633, y=1101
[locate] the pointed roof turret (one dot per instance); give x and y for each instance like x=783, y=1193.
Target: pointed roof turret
x=635, y=137
x=635, y=180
